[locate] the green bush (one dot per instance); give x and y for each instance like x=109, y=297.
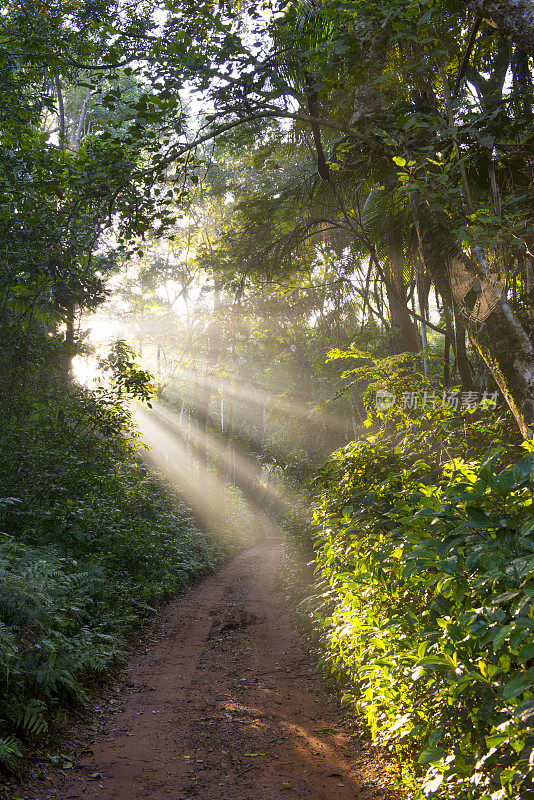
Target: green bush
x=89, y=540
x=427, y=611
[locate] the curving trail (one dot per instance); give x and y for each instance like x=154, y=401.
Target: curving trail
x=219, y=703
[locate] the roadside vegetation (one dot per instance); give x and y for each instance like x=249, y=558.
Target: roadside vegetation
x=421, y=613
x=90, y=542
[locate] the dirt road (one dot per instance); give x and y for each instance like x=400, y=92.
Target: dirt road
x=220, y=703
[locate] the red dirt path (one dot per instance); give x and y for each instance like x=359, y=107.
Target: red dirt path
x=220, y=703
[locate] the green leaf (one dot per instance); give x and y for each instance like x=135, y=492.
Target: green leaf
x=524, y=469
x=519, y=684
x=526, y=653
x=525, y=710
x=431, y=755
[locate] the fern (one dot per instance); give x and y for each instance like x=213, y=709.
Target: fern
x=10, y=753
x=29, y=719
x=56, y=681
x=7, y=641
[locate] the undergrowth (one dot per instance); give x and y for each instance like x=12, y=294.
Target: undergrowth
x=422, y=608
x=89, y=541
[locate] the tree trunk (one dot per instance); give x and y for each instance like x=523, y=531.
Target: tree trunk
x=81, y=120
x=403, y=338
x=159, y=391
x=403, y=333
x=214, y=344
x=423, y=288
x=62, y=134
x=230, y=446
x=203, y=414
x=515, y=18
x=505, y=347
x=67, y=353
x=313, y=108
x=491, y=323
x=446, y=361
x=460, y=351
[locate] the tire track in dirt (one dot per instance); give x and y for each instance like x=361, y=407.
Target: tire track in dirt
x=221, y=703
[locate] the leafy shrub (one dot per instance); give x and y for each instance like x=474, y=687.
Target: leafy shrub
x=89, y=541
x=427, y=610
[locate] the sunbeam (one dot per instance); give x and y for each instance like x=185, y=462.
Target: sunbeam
x=259, y=400
x=214, y=501
x=239, y=468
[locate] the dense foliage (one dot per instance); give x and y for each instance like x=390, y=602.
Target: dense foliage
x=423, y=611
x=90, y=540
